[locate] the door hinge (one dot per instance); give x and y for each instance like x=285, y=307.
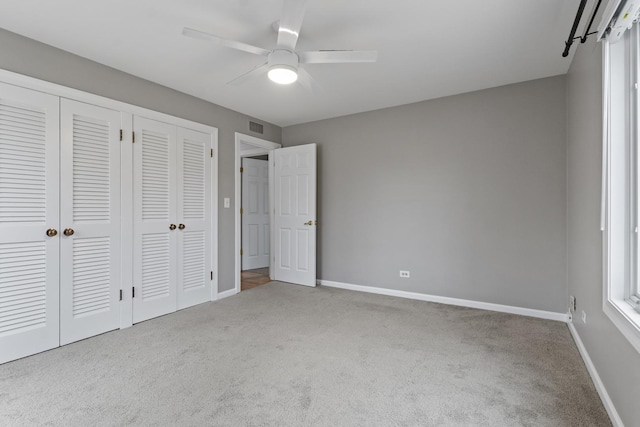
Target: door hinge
x=120, y=134
x=133, y=137
x=212, y=275
x=241, y=211
x=133, y=292
x=241, y=170
x=120, y=294
x=241, y=252
x=212, y=152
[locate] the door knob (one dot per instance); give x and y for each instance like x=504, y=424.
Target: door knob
x=172, y=227
x=52, y=232
x=68, y=232
x=182, y=226
x=308, y=223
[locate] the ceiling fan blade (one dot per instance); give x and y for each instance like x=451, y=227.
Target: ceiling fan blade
x=254, y=72
x=290, y=23
x=337, y=56
x=308, y=82
x=190, y=32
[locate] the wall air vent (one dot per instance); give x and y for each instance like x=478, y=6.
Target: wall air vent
x=256, y=127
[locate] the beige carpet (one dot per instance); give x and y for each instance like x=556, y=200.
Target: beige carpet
x=286, y=355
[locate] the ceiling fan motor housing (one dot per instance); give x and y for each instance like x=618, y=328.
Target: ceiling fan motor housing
x=282, y=58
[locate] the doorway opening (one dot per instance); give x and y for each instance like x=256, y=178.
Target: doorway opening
x=254, y=211
x=256, y=223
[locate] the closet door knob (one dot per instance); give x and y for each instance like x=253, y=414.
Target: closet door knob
x=68, y=232
x=172, y=227
x=52, y=232
x=182, y=226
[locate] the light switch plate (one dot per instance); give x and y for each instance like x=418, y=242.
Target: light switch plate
x=227, y=202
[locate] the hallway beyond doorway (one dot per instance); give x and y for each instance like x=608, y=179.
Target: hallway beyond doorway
x=252, y=278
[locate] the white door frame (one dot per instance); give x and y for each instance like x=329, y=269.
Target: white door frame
x=262, y=146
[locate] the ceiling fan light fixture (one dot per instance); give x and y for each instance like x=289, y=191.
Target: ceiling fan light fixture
x=282, y=74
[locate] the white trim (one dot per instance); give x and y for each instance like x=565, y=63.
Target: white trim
x=253, y=152
x=215, y=236
x=625, y=318
x=616, y=271
x=549, y=315
x=226, y=294
x=89, y=98
x=606, y=134
x=126, y=224
x=262, y=146
x=597, y=381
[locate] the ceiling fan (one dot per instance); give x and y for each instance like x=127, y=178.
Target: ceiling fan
x=283, y=63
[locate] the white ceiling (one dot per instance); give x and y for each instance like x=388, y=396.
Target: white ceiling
x=426, y=48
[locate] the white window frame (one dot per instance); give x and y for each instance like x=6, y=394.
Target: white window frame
x=621, y=71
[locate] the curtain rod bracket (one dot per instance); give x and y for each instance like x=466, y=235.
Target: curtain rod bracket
x=576, y=22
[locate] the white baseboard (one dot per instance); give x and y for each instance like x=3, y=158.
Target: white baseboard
x=226, y=294
x=604, y=396
x=550, y=315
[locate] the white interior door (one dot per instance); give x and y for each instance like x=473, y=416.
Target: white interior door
x=155, y=219
x=89, y=221
x=295, y=214
x=194, y=228
x=255, y=214
x=29, y=206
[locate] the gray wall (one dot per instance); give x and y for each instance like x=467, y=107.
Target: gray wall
x=615, y=359
x=31, y=58
x=467, y=192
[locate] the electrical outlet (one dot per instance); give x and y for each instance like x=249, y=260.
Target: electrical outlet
x=572, y=303
x=584, y=317
x=405, y=274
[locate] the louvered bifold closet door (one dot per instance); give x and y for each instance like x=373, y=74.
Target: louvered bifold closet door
x=155, y=223
x=194, y=214
x=89, y=220
x=29, y=206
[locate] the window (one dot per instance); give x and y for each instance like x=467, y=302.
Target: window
x=621, y=183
